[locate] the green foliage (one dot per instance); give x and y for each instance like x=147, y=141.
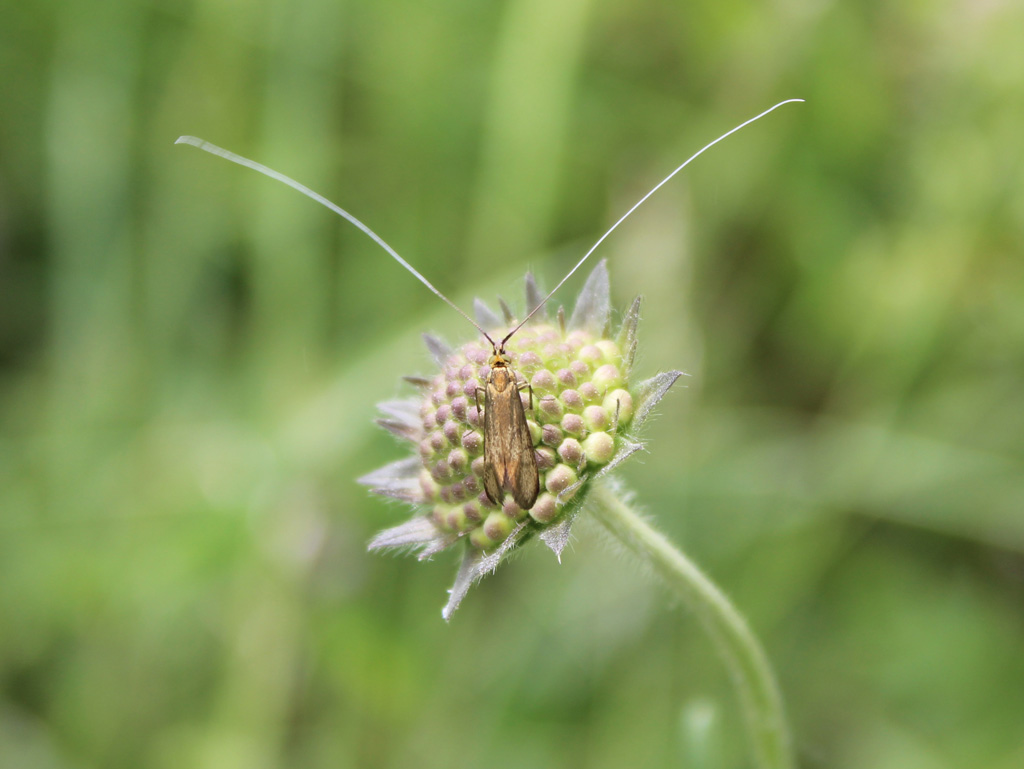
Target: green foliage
x=190, y=355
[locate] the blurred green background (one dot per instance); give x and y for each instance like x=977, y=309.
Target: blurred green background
x=190, y=356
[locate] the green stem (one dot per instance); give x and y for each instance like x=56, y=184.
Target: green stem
x=752, y=675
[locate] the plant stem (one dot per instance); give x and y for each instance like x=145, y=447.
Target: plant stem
x=751, y=673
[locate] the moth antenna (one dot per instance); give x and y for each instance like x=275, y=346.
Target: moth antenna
x=213, y=149
x=656, y=187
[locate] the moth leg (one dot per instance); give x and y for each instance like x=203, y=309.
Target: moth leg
x=526, y=386
x=479, y=411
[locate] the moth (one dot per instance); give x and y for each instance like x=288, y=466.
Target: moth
x=510, y=463
x=509, y=460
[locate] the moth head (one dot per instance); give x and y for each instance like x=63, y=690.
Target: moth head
x=500, y=359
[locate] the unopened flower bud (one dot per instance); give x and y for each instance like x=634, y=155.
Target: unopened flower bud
x=599, y=448
x=619, y=403
x=577, y=409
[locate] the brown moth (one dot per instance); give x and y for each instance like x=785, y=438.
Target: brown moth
x=509, y=461
x=510, y=464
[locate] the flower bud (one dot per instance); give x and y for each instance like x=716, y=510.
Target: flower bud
x=596, y=418
x=599, y=448
x=619, y=403
x=571, y=451
x=577, y=407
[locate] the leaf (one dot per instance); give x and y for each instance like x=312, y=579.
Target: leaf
x=476, y=565
x=627, y=339
x=439, y=350
x=533, y=298
x=402, y=470
x=419, y=381
x=593, y=305
x=625, y=451
x=485, y=316
x=556, y=536
x=405, y=421
x=650, y=393
x=419, y=532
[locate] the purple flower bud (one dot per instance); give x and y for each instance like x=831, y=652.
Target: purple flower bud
x=565, y=378
x=589, y=392
x=459, y=406
x=437, y=440
x=545, y=457
x=530, y=361
x=559, y=479
x=572, y=399
x=551, y=435
x=545, y=509
x=551, y=407
x=456, y=519
x=452, y=431
x=472, y=512
x=473, y=442
x=458, y=460
x=570, y=451
x=573, y=424
x=512, y=510
x=544, y=382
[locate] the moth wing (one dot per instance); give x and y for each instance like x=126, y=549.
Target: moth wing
x=527, y=485
x=494, y=471
x=492, y=486
x=524, y=480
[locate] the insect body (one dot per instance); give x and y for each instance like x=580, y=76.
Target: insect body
x=509, y=462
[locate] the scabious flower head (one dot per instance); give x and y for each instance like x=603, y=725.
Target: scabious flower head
x=582, y=413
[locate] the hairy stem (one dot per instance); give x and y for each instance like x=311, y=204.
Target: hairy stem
x=751, y=673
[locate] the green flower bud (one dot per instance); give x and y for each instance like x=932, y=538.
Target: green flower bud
x=591, y=355
x=619, y=402
x=559, y=479
x=479, y=539
x=609, y=351
x=498, y=526
x=599, y=448
x=596, y=418
x=545, y=509
x=607, y=377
